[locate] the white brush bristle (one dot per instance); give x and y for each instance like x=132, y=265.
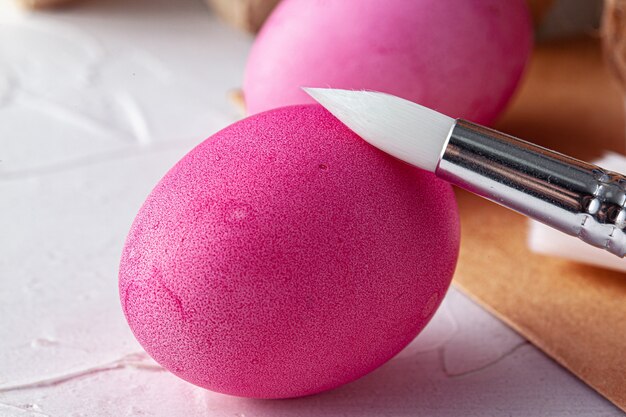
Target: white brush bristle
x=399, y=127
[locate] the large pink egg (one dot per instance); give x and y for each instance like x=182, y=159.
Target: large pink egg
x=463, y=58
x=285, y=256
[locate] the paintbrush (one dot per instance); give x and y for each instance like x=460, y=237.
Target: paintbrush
x=572, y=196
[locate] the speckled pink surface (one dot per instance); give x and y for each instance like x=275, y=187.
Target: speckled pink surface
x=285, y=256
x=461, y=57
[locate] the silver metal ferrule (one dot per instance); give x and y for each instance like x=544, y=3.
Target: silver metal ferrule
x=575, y=197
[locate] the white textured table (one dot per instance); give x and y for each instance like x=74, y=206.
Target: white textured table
x=96, y=103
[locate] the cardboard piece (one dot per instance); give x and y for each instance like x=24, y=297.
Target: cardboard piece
x=575, y=313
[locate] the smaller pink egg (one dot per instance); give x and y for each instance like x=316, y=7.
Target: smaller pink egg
x=285, y=256
x=462, y=58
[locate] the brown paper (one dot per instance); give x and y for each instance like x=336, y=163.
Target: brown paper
x=574, y=313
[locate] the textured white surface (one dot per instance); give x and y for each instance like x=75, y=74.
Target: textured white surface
x=546, y=240
x=96, y=103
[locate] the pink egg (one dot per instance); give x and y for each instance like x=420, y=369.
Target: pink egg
x=285, y=256
x=463, y=58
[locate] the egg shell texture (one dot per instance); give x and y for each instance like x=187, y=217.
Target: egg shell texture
x=463, y=58
x=285, y=256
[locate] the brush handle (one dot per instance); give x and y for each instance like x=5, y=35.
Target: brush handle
x=575, y=197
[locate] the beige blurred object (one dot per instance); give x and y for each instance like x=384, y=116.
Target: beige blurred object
x=42, y=4
x=614, y=37
x=237, y=100
x=539, y=9
x=247, y=15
